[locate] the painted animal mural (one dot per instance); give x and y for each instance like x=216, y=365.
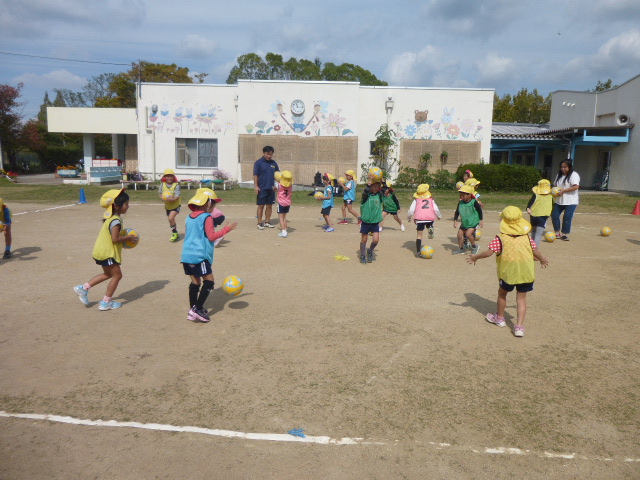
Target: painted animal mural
x=450, y=127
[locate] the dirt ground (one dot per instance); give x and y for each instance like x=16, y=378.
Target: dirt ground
x=395, y=356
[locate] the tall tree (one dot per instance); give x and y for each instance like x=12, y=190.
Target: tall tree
x=10, y=118
x=523, y=107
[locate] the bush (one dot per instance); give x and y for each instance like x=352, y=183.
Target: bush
x=412, y=177
x=504, y=178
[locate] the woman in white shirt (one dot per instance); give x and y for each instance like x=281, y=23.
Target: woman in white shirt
x=567, y=200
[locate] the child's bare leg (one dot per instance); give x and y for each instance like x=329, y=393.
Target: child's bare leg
x=384, y=215
x=460, y=238
x=502, y=301
x=327, y=220
x=344, y=211
x=172, y=219
x=521, y=302
x=7, y=236
x=397, y=219
x=352, y=211
x=470, y=236
x=114, y=272
x=283, y=221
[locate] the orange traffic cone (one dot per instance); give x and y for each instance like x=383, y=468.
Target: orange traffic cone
x=636, y=209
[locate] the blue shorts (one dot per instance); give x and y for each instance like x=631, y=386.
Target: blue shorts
x=266, y=197
x=520, y=287
x=177, y=210
x=326, y=211
x=283, y=209
x=106, y=263
x=198, y=269
x=366, y=228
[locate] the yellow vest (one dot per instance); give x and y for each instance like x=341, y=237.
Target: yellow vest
x=171, y=189
x=542, y=206
x=515, y=262
x=104, y=247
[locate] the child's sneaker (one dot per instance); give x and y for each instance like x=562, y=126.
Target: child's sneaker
x=343, y=222
x=369, y=256
x=474, y=249
x=108, y=305
x=260, y=226
x=325, y=226
x=363, y=259
x=268, y=225
x=201, y=314
x=191, y=316
x=7, y=254
x=82, y=293
x=430, y=232
x=518, y=331
x=330, y=229
x=402, y=228
x=459, y=251
x=283, y=234
x=496, y=320
x=174, y=237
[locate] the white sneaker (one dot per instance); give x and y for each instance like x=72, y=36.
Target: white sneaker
x=496, y=320
x=283, y=234
x=402, y=228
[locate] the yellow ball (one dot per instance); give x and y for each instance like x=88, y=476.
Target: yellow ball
x=319, y=195
x=426, y=252
x=477, y=234
x=342, y=180
x=232, y=285
x=1, y=227
x=555, y=191
x=605, y=231
x=459, y=185
x=130, y=243
x=166, y=195
x=549, y=236
x=375, y=174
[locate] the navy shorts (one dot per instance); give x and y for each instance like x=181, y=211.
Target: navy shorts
x=108, y=262
x=520, y=287
x=177, y=210
x=538, y=221
x=366, y=228
x=390, y=213
x=420, y=226
x=469, y=228
x=283, y=208
x=326, y=211
x=198, y=269
x=266, y=197
x=218, y=220
x=348, y=202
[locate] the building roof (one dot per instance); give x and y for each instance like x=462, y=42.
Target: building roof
x=527, y=131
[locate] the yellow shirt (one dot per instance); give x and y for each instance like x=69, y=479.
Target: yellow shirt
x=104, y=247
x=515, y=262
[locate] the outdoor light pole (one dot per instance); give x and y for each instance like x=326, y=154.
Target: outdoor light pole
x=154, y=109
x=388, y=106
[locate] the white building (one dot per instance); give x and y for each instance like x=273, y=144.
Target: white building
x=313, y=126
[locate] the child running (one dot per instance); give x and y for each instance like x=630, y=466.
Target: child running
x=539, y=208
x=283, y=197
x=470, y=213
x=170, y=195
x=424, y=211
x=515, y=253
x=349, y=197
x=197, y=251
x=371, y=212
x=107, y=251
x=390, y=205
x=5, y=224
x=327, y=202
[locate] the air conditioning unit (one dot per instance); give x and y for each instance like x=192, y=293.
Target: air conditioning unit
x=623, y=119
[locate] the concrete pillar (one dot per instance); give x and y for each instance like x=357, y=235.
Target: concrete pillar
x=89, y=146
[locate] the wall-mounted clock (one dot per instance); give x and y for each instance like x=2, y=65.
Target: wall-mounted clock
x=297, y=107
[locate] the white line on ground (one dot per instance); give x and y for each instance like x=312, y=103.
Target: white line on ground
x=280, y=437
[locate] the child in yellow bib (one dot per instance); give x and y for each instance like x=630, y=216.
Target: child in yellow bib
x=107, y=251
x=539, y=208
x=514, y=261
x=170, y=195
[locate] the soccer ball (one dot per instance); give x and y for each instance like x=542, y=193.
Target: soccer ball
x=130, y=243
x=232, y=285
x=549, y=236
x=426, y=252
x=375, y=174
x=459, y=185
x=166, y=195
x=477, y=234
x=555, y=191
x=342, y=180
x=319, y=195
x=605, y=231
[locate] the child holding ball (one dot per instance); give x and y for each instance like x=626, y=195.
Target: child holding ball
x=539, y=208
x=349, y=197
x=170, y=195
x=107, y=251
x=197, y=251
x=371, y=213
x=515, y=254
x=424, y=211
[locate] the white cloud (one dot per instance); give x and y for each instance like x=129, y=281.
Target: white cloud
x=53, y=79
x=494, y=69
x=426, y=68
x=195, y=46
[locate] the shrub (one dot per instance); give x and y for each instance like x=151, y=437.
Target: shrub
x=412, y=177
x=504, y=178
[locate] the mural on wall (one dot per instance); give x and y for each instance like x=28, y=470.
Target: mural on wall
x=444, y=127
x=182, y=120
x=298, y=120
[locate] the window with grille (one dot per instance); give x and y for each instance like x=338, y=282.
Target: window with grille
x=196, y=152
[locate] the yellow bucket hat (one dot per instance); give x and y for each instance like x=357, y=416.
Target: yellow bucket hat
x=472, y=182
x=106, y=201
x=286, y=179
x=329, y=176
x=467, y=189
x=209, y=193
x=422, y=191
x=512, y=222
x=200, y=198
x=168, y=171
x=350, y=173
x=543, y=187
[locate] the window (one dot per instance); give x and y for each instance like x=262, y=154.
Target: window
x=196, y=152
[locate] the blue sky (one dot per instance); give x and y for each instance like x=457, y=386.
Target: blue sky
x=500, y=44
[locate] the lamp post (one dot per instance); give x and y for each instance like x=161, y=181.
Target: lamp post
x=154, y=109
x=388, y=106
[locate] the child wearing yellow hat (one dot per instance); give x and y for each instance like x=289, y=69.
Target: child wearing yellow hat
x=107, y=251
x=5, y=225
x=349, y=197
x=283, y=197
x=539, y=208
x=424, y=211
x=170, y=195
x=371, y=211
x=515, y=254
x=198, y=251
x=470, y=213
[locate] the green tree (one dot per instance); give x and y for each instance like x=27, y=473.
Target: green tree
x=10, y=118
x=523, y=107
x=602, y=86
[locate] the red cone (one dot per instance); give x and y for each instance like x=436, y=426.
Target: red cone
x=636, y=209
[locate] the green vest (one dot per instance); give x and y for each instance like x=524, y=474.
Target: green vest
x=469, y=216
x=515, y=262
x=371, y=210
x=389, y=204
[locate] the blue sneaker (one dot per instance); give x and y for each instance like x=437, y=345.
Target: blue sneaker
x=108, y=305
x=82, y=293
x=330, y=229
